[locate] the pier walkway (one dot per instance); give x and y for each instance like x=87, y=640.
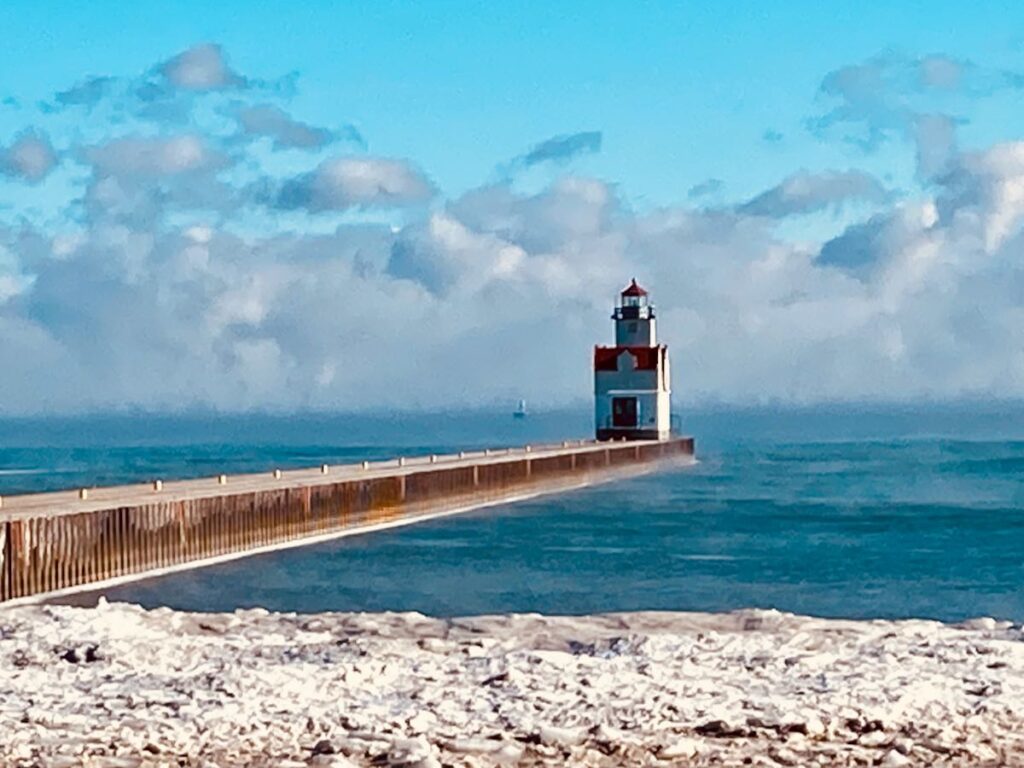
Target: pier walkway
x=66, y=541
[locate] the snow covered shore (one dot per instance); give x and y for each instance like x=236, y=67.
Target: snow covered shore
x=120, y=686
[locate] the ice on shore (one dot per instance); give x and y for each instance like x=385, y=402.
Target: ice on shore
x=120, y=686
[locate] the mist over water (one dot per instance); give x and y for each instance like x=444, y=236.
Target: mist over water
x=879, y=512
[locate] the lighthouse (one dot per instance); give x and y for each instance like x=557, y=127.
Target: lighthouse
x=632, y=386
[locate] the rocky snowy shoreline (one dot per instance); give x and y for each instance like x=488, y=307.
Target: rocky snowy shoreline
x=120, y=686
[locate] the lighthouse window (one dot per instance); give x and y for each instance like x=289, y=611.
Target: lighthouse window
x=632, y=327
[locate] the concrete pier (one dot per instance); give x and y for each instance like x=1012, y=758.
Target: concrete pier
x=58, y=543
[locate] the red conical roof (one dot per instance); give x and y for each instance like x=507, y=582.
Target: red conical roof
x=634, y=290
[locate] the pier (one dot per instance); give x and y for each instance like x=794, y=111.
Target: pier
x=53, y=544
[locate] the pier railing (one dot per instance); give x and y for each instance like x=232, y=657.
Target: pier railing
x=60, y=542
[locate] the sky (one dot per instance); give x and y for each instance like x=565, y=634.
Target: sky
x=352, y=206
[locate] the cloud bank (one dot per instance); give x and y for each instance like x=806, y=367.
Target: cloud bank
x=182, y=269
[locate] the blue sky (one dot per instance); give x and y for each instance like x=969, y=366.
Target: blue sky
x=823, y=197
x=681, y=91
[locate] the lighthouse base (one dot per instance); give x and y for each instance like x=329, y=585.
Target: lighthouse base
x=632, y=434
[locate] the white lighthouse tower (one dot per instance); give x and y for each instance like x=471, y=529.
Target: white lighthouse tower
x=632, y=386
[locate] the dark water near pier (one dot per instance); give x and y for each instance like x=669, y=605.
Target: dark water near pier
x=851, y=512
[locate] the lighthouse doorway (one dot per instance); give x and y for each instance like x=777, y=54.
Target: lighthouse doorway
x=624, y=412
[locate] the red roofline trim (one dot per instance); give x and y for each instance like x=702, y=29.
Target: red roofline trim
x=647, y=358
x=634, y=290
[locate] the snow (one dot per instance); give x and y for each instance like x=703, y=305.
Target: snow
x=119, y=685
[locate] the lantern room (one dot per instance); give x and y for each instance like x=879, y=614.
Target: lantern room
x=634, y=319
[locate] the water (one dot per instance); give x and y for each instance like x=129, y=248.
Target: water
x=848, y=513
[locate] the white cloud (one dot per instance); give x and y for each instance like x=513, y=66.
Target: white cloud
x=561, y=149
x=942, y=72
x=30, y=157
x=989, y=185
x=351, y=182
x=87, y=93
x=705, y=188
x=285, y=131
x=898, y=97
x=150, y=157
x=444, y=255
x=138, y=181
x=10, y=286
x=805, y=192
x=201, y=68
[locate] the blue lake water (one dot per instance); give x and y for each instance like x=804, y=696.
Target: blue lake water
x=843, y=512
